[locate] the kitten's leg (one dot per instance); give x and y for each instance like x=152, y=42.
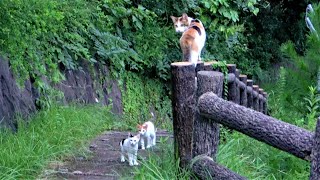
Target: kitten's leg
x=122, y=155
x=154, y=139
x=149, y=142
x=130, y=159
x=135, y=158
x=142, y=143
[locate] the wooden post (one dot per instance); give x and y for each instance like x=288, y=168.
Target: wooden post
x=208, y=66
x=205, y=167
x=232, y=86
x=250, y=93
x=183, y=109
x=265, y=104
x=206, y=133
x=315, y=155
x=238, y=86
x=243, y=90
x=255, y=94
x=279, y=134
x=261, y=100
x=200, y=66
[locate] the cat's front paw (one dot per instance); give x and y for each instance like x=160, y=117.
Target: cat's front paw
x=143, y=147
x=123, y=160
x=148, y=146
x=136, y=163
x=130, y=164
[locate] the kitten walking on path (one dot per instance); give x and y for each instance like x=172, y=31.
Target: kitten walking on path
x=193, y=38
x=147, y=132
x=130, y=146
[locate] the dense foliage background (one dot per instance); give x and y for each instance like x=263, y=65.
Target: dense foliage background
x=268, y=40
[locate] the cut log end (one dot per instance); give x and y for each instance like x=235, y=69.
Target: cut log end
x=184, y=63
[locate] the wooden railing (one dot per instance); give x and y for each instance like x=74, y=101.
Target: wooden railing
x=199, y=106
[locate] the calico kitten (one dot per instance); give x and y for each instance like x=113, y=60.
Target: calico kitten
x=193, y=38
x=147, y=132
x=130, y=146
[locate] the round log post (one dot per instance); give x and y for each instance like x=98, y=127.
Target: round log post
x=200, y=66
x=243, y=90
x=265, y=104
x=261, y=100
x=207, y=66
x=250, y=93
x=315, y=155
x=255, y=93
x=183, y=109
x=238, y=86
x=232, y=86
x=279, y=134
x=205, y=167
x=205, y=132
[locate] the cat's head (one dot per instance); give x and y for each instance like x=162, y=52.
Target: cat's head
x=134, y=139
x=142, y=128
x=182, y=23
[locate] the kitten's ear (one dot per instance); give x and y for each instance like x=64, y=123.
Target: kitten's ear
x=139, y=126
x=145, y=126
x=138, y=136
x=130, y=135
x=184, y=16
x=174, y=19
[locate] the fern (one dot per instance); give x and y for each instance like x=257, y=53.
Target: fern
x=312, y=105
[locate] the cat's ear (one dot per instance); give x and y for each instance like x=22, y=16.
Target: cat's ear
x=184, y=16
x=138, y=136
x=130, y=135
x=174, y=19
x=145, y=126
x=139, y=126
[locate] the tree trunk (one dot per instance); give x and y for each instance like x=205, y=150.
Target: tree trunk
x=278, y=134
x=206, y=133
x=183, y=109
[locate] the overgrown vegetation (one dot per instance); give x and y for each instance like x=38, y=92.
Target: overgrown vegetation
x=51, y=135
x=136, y=40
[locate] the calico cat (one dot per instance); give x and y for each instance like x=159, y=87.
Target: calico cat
x=147, y=132
x=130, y=146
x=193, y=37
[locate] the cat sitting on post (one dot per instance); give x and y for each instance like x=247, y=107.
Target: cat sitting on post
x=193, y=37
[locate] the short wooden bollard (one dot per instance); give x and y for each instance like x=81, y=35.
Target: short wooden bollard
x=183, y=109
x=265, y=104
x=238, y=86
x=261, y=100
x=206, y=133
x=249, y=93
x=243, y=91
x=255, y=93
x=232, y=86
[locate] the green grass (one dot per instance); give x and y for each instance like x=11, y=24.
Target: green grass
x=160, y=164
x=51, y=135
x=256, y=160
x=240, y=153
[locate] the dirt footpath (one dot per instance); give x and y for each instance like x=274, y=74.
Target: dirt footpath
x=103, y=163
